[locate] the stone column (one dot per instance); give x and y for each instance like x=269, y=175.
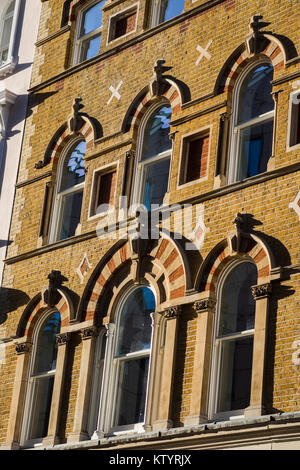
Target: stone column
x=205, y=309
x=18, y=396
x=261, y=294
x=80, y=433
x=163, y=420
x=153, y=372
x=52, y=437
x=100, y=431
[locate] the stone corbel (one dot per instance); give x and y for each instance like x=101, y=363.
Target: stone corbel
x=7, y=99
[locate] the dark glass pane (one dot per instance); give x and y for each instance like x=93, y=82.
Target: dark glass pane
x=70, y=214
x=135, y=321
x=156, y=182
x=255, y=94
x=131, y=391
x=237, y=302
x=73, y=169
x=235, y=374
x=46, y=347
x=156, y=136
x=41, y=406
x=92, y=19
x=171, y=8
x=90, y=47
x=256, y=149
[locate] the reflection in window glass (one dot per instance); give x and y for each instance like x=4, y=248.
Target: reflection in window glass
x=47, y=348
x=156, y=182
x=169, y=9
x=5, y=32
x=156, y=139
x=73, y=170
x=132, y=356
x=92, y=19
x=89, y=37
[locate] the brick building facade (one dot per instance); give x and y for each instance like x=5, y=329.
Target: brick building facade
x=155, y=231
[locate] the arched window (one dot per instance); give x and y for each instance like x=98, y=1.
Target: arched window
x=42, y=373
x=154, y=157
x=6, y=32
x=164, y=10
x=69, y=193
x=126, y=368
x=253, y=116
x=88, y=33
x=233, y=348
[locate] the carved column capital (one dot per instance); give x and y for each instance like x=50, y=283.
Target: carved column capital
x=261, y=291
x=63, y=338
x=172, y=312
x=204, y=304
x=89, y=332
x=23, y=348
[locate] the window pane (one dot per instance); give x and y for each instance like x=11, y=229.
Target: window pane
x=156, y=137
x=70, y=214
x=131, y=392
x=156, y=177
x=90, y=48
x=73, y=169
x=135, y=321
x=255, y=149
x=171, y=8
x=41, y=406
x=11, y=7
x=6, y=32
x=235, y=374
x=92, y=19
x=237, y=302
x=255, y=94
x=46, y=347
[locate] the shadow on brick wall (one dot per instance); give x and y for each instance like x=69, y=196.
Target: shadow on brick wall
x=11, y=300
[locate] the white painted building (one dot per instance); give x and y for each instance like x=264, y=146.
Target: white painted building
x=19, y=21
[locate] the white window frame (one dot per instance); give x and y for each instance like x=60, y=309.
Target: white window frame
x=156, y=13
x=140, y=165
x=31, y=387
x=107, y=408
x=59, y=196
x=291, y=124
x=7, y=67
x=235, y=141
x=79, y=40
x=118, y=16
x=217, y=352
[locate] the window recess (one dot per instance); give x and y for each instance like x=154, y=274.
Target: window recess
x=123, y=24
x=103, y=192
x=294, y=120
x=195, y=152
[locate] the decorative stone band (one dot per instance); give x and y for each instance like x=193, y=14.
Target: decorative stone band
x=204, y=304
x=63, y=338
x=89, y=332
x=260, y=291
x=172, y=312
x=23, y=348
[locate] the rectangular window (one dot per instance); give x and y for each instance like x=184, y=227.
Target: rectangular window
x=294, y=120
x=122, y=24
x=103, y=193
x=194, y=162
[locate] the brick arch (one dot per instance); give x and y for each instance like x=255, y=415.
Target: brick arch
x=36, y=307
x=166, y=260
x=274, y=51
x=145, y=99
x=221, y=255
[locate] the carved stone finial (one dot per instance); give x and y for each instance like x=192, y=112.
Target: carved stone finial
x=51, y=295
x=255, y=40
x=158, y=83
x=75, y=120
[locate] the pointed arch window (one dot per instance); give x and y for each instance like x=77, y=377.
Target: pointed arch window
x=233, y=341
x=253, y=120
x=69, y=193
x=41, y=378
x=155, y=149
